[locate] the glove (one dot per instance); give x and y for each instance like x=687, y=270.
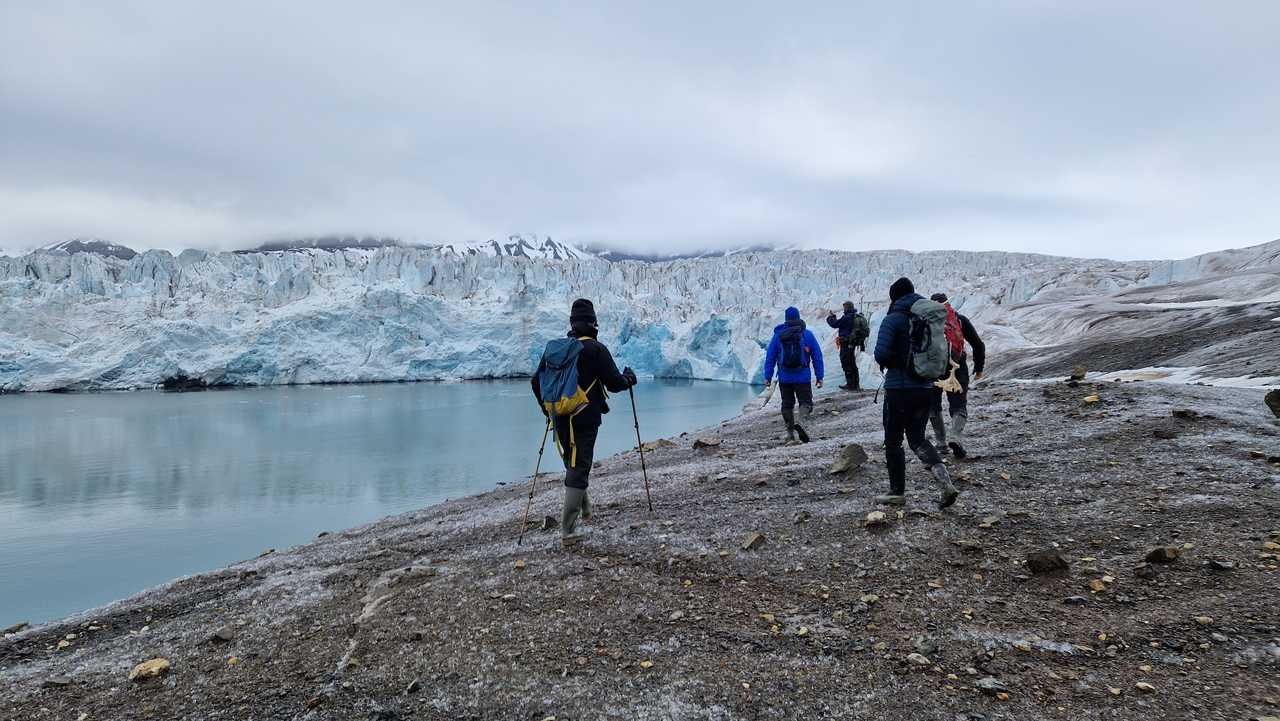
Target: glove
x=630, y=375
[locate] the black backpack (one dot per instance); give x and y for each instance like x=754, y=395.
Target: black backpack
x=792, y=340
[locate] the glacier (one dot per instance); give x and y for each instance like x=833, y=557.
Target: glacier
x=88, y=321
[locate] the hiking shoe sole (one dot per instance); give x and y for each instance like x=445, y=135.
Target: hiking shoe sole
x=957, y=449
x=804, y=437
x=571, y=541
x=891, y=500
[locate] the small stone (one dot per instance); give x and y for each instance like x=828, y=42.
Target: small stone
x=1184, y=413
x=876, y=519
x=413, y=687
x=1097, y=586
x=233, y=660
x=1114, y=690
x=508, y=597
x=850, y=458
x=16, y=628
x=802, y=517
x=1046, y=562
x=646, y=664
x=917, y=659
x=1204, y=620
x=1164, y=434
x=988, y=522
x=1145, y=570
x=226, y=634
x=1078, y=373
x=802, y=631
x=64, y=643
x=1219, y=638
x=1144, y=687
x=1272, y=399
x=1090, y=399
x=549, y=523
x=1075, y=600
x=56, y=682
x=520, y=564
x=870, y=599
x=676, y=615
x=1163, y=554
x=707, y=443
x=155, y=668
x=753, y=541
x=991, y=686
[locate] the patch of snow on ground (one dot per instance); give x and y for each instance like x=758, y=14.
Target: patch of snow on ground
x=1184, y=376
x=1215, y=303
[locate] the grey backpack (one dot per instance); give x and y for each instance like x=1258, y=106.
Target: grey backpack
x=929, y=351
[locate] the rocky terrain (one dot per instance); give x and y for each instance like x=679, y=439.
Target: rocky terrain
x=1115, y=555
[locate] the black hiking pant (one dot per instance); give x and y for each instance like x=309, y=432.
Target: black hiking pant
x=849, y=362
x=957, y=403
x=576, y=442
x=792, y=392
x=906, y=413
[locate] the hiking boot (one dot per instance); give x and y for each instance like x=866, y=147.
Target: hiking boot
x=847, y=387
x=804, y=416
x=586, y=508
x=572, y=540
x=957, y=436
x=571, y=510
x=789, y=419
x=949, y=492
x=892, y=499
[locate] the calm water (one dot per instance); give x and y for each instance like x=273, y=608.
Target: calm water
x=103, y=495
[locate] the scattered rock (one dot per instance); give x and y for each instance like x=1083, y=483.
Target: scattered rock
x=1221, y=564
x=917, y=659
x=1272, y=400
x=155, y=668
x=1097, y=586
x=15, y=628
x=851, y=457
x=753, y=541
x=549, y=523
x=226, y=634
x=707, y=443
x=802, y=517
x=1144, y=687
x=1163, y=554
x=1075, y=600
x=1145, y=570
x=413, y=687
x=520, y=564
x=655, y=445
x=991, y=686
x=646, y=664
x=1204, y=620
x=676, y=615
x=56, y=682
x=1078, y=373
x=876, y=519
x=1090, y=399
x=1046, y=562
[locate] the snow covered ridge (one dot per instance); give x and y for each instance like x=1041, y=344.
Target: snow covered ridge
x=88, y=321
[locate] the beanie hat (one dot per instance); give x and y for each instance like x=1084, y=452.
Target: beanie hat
x=901, y=287
x=938, y=297
x=848, y=305
x=792, y=313
x=582, y=310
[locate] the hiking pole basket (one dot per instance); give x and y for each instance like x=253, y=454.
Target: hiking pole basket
x=533, y=484
x=640, y=445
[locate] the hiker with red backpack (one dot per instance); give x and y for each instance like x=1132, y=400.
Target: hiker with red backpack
x=570, y=385
x=959, y=330
x=911, y=350
x=792, y=351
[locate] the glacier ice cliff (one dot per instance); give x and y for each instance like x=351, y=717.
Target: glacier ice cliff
x=88, y=321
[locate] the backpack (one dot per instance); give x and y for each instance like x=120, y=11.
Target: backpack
x=928, y=340
x=792, y=340
x=955, y=333
x=861, y=329
x=558, y=379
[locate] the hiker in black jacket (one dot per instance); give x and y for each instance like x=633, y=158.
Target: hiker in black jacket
x=851, y=335
x=959, y=332
x=576, y=434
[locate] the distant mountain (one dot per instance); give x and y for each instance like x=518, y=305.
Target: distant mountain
x=616, y=255
x=96, y=246
x=516, y=246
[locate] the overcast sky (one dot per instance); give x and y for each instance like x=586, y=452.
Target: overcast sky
x=1125, y=130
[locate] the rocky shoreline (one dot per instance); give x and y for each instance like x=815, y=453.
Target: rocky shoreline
x=1109, y=559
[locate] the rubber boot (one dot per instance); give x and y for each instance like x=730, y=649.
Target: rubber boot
x=957, y=435
x=943, y=477
x=586, y=507
x=804, y=416
x=788, y=417
x=573, y=498
x=939, y=430
x=895, y=461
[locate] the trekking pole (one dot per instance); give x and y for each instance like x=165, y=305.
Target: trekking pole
x=533, y=485
x=640, y=445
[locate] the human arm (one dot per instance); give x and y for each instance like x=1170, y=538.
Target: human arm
x=885, y=342
x=537, y=386
x=815, y=356
x=832, y=321
x=979, y=348
x=607, y=370
x=771, y=358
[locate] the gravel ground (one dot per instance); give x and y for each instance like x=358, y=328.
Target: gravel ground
x=438, y=614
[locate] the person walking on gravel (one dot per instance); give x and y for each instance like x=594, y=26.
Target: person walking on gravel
x=907, y=396
x=792, y=351
x=852, y=330
x=574, y=372
x=959, y=331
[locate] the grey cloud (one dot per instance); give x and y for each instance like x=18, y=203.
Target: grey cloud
x=1142, y=131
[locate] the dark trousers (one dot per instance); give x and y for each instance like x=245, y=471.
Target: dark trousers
x=957, y=403
x=576, y=442
x=906, y=413
x=849, y=362
x=791, y=392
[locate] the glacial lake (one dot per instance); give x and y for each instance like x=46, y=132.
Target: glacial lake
x=105, y=494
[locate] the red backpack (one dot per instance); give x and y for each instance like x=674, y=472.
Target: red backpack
x=955, y=336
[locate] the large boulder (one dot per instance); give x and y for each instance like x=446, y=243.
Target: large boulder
x=851, y=457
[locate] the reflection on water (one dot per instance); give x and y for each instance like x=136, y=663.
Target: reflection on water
x=102, y=495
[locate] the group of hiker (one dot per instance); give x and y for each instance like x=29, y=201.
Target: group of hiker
x=919, y=349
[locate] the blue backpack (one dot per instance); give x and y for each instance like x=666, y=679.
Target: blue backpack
x=558, y=379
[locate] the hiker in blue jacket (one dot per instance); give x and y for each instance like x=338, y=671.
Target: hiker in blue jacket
x=792, y=350
x=907, y=400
